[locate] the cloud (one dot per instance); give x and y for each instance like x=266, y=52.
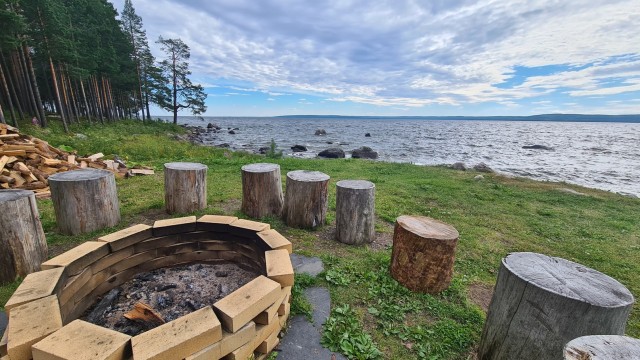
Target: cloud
x=407, y=53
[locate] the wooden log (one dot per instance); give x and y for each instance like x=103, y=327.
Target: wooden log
x=84, y=200
x=423, y=253
x=185, y=187
x=262, y=190
x=602, y=347
x=355, y=211
x=23, y=246
x=540, y=303
x=144, y=314
x=306, y=199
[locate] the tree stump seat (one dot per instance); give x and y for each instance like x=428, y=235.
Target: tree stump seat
x=84, y=200
x=185, y=187
x=23, y=246
x=423, y=253
x=602, y=347
x=306, y=199
x=355, y=211
x=262, y=190
x=540, y=303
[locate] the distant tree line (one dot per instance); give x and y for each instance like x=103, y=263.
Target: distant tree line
x=77, y=60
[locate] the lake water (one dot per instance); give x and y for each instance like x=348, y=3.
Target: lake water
x=599, y=155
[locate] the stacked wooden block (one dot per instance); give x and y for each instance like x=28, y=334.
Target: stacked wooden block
x=44, y=310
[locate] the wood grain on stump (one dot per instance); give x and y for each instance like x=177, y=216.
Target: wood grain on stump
x=84, y=200
x=185, y=187
x=540, y=303
x=355, y=211
x=423, y=253
x=262, y=190
x=306, y=199
x=23, y=246
x=602, y=347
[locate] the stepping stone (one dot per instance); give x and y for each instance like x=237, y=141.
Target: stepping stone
x=3, y=322
x=306, y=265
x=302, y=340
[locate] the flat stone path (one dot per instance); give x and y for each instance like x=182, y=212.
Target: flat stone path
x=306, y=265
x=3, y=322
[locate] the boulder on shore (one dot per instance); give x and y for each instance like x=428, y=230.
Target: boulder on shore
x=332, y=153
x=537, y=147
x=364, y=152
x=459, y=166
x=232, y=132
x=321, y=132
x=299, y=148
x=263, y=150
x=482, y=167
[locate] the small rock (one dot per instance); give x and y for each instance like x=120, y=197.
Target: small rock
x=478, y=177
x=263, y=150
x=459, y=166
x=232, y=132
x=299, y=148
x=210, y=126
x=367, y=135
x=223, y=145
x=82, y=136
x=332, y=153
x=222, y=274
x=482, y=167
x=167, y=287
x=321, y=132
x=364, y=152
x=537, y=147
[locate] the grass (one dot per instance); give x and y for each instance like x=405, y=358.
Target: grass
x=494, y=216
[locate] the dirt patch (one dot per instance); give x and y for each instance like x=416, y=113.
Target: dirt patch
x=480, y=294
x=171, y=292
x=382, y=241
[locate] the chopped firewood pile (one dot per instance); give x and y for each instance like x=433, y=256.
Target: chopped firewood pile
x=26, y=162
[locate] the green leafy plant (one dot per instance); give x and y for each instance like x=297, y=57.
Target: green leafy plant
x=272, y=153
x=343, y=333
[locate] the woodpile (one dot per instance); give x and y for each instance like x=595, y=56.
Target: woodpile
x=26, y=162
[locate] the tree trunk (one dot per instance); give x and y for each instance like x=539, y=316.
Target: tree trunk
x=34, y=84
x=65, y=96
x=306, y=199
x=56, y=90
x=355, y=211
x=602, y=347
x=13, y=89
x=84, y=200
x=540, y=303
x=262, y=190
x=423, y=253
x=23, y=246
x=86, y=103
x=185, y=187
x=6, y=90
x=2, y=120
x=98, y=100
x=27, y=83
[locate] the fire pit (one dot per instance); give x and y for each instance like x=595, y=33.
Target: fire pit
x=44, y=311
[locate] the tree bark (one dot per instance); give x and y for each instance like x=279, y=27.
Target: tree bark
x=11, y=89
x=56, y=90
x=23, y=246
x=262, y=190
x=6, y=90
x=84, y=200
x=423, y=253
x=306, y=199
x=355, y=211
x=34, y=84
x=86, y=103
x=602, y=347
x=540, y=303
x=185, y=187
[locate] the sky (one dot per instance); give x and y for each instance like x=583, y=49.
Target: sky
x=406, y=57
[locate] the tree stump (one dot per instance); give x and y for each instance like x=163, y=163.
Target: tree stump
x=23, y=246
x=84, y=200
x=185, y=187
x=540, y=303
x=355, y=211
x=306, y=199
x=262, y=190
x=423, y=253
x=602, y=347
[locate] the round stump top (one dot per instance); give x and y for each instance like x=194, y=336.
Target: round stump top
x=185, y=166
x=261, y=167
x=307, y=176
x=80, y=175
x=602, y=347
x=13, y=195
x=355, y=184
x=568, y=279
x=427, y=227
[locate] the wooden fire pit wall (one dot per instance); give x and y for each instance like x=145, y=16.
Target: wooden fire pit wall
x=43, y=311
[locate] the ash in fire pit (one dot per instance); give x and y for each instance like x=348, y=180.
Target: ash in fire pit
x=166, y=294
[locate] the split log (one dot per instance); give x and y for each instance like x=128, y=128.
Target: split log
x=602, y=347
x=423, y=253
x=144, y=314
x=23, y=246
x=306, y=199
x=262, y=190
x=185, y=187
x=540, y=303
x=355, y=211
x=84, y=200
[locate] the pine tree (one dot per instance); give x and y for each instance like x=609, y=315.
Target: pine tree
x=180, y=93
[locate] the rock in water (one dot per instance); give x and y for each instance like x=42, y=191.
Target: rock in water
x=459, y=166
x=367, y=135
x=232, y=132
x=482, y=167
x=299, y=148
x=332, y=153
x=537, y=147
x=321, y=132
x=364, y=152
